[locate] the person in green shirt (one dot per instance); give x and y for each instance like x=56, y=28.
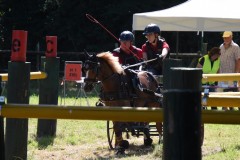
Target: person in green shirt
x=210, y=64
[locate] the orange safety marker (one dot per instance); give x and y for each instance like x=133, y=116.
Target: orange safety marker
x=51, y=43
x=73, y=71
x=19, y=45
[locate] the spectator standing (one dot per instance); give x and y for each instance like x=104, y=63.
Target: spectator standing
x=229, y=59
x=210, y=64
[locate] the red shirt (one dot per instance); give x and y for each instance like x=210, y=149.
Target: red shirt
x=137, y=51
x=154, y=48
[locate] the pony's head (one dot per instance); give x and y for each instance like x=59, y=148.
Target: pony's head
x=90, y=67
x=99, y=67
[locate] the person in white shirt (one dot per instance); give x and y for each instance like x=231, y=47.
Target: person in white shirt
x=229, y=60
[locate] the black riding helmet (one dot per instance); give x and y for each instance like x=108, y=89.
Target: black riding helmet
x=151, y=28
x=126, y=36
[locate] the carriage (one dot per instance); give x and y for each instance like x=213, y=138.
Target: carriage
x=135, y=129
x=123, y=87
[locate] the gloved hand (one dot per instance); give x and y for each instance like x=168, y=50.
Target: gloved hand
x=140, y=60
x=144, y=67
x=125, y=66
x=159, y=57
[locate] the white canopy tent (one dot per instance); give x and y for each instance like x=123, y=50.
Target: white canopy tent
x=194, y=15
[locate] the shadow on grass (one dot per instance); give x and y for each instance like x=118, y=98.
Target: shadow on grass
x=155, y=151
x=44, y=142
x=238, y=147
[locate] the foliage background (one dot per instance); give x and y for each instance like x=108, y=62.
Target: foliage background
x=67, y=20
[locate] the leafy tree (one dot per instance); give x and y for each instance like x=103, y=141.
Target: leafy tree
x=22, y=15
x=68, y=21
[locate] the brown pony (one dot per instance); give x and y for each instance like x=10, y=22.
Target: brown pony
x=121, y=88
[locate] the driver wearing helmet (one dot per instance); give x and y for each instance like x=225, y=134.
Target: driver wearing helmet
x=127, y=53
x=154, y=47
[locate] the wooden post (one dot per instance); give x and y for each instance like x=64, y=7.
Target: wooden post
x=48, y=90
x=2, y=143
x=17, y=92
x=167, y=64
x=182, y=115
x=48, y=94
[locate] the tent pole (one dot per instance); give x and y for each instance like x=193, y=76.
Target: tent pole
x=201, y=43
x=202, y=49
x=177, y=44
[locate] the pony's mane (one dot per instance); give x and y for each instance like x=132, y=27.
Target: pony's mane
x=112, y=61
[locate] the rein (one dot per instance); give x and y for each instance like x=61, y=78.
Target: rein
x=122, y=91
x=140, y=63
x=107, y=78
x=122, y=94
x=90, y=80
x=120, y=83
x=96, y=68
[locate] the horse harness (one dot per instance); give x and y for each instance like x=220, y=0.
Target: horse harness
x=124, y=92
x=129, y=83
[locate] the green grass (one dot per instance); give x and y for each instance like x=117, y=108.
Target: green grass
x=222, y=142
x=86, y=139
x=90, y=138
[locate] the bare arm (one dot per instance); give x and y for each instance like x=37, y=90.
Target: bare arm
x=164, y=52
x=237, y=70
x=199, y=65
x=145, y=56
x=237, y=67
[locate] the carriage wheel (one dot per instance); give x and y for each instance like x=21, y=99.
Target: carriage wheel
x=110, y=134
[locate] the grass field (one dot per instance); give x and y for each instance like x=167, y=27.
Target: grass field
x=86, y=139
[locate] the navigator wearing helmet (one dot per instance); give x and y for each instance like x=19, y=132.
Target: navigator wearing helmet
x=154, y=47
x=127, y=53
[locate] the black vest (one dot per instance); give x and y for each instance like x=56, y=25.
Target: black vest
x=127, y=59
x=153, y=54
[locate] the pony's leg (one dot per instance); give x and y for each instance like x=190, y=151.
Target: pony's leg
x=146, y=134
x=119, y=142
x=147, y=139
x=202, y=133
x=118, y=132
x=159, y=126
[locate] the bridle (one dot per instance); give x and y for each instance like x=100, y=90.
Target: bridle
x=98, y=69
x=124, y=90
x=95, y=67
